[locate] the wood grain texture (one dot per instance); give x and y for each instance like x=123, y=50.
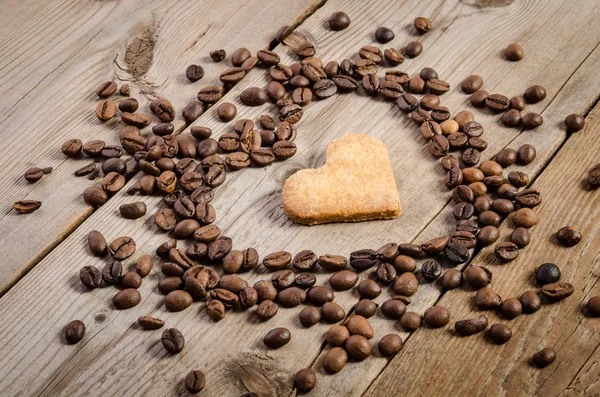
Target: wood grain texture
x=89, y=43
x=118, y=358
x=507, y=369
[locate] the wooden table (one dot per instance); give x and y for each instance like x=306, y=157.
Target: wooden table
x=54, y=54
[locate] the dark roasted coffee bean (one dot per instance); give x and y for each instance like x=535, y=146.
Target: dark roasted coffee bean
x=535, y=94
x=277, y=338
x=343, y=280
x=532, y=120
x=218, y=248
x=472, y=326
x=173, y=340
x=478, y=277
x=305, y=280
x=544, y=357
x=526, y=154
x=449, y=162
x=568, y=236
x=91, y=195
x=465, y=238
x=194, y=72
x=440, y=113
x=437, y=316
x=388, y=252
x=283, y=279
x=207, y=234
x=339, y=21
x=362, y=67
x=438, y=146
x=262, y=157
x=291, y=113
x=369, y=289
x=150, y=323
x=136, y=119
x=511, y=118
x=457, y=140
x=506, y=251
x=305, y=380
x=126, y=299
x=133, y=210
x=453, y=178
x=435, y=246
x=277, y=260
x=593, y=306
x=75, y=331
x=390, y=90
x=471, y=84
x=530, y=302
x=364, y=259
x=163, y=109
x=414, y=49
x=210, y=94
x=547, y=273
x=121, y=247
x=370, y=83
x=574, y=122
x=232, y=76
x=332, y=312
x=215, y=176
x=304, y=260
x=284, y=150
x=451, y=279
x=384, y=35
x=94, y=148
x=344, y=83
x=477, y=143
x=456, y=252
x=486, y=299
x=431, y=270
x=324, y=88
x=291, y=297
x=192, y=111
x=408, y=103
x=497, y=102
x=254, y=96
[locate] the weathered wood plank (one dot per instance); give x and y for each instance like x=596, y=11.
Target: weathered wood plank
x=487, y=369
x=253, y=217
x=60, y=103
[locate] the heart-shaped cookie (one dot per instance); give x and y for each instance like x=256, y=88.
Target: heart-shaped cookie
x=356, y=183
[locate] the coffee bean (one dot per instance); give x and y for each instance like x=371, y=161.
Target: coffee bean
x=218, y=55
x=305, y=280
x=386, y=273
x=486, y=299
x=28, y=206
x=547, y=273
x=332, y=68
x=457, y=141
x=477, y=143
x=393, y=56
x=291, y=113
x=277, y=260
x=358, y=347
x=363, y=67
x=451, y=279
x=410, y=321
x=412, y=250
x=133, y=210
x=511, y=118
x=478, y=277
x=304, y=260
x=500, y=333
x=282, y=73
x=305, y=380
x=309, y=316
x=365, y=308
x=75, y=331
x=195, y=381
x=431, y=270
x=215, y=310
x=173, y=340
x=207, y=234
x=291, y=297
x=406, y=284
x=438, y=146
x=574, y=122
x=358, y=325
x=150, y=323
x=414, y=49
x=568, y=236
x=506, y=251
x=129, y=105
x=126, y=299
x=364, y=259
x=335, y=360
x=526, y=154
x=497, y=102
x=324, y=88
x=530, y=301
x=332, y=312
x=435, y=246
x=319, y=295
x=106, y=110
x=437, y=316
x=226, y=111
x=544, y=357
x=422, y=25
x=131, y=280
x=111, y=274
x=440, y=113
x=178, y=300
x=472, y=326
x=344, y=83
x=369, y=289
x=268, y=57
x=535, y=94
x=514, y=52
x=163, y=109
x=343, y=280
x=339, y=21
x=210, y=94
x=408, y=103
x=525, y=217
x=456, y=252
x=72, y=147
x=277, y=338
x=91, y=277
x=371, y=52
x=532, y=120
x=218, y=248
x=593, y=306
x=266, y=309
x=393, y=308
x=449, y=162
x=558, y=290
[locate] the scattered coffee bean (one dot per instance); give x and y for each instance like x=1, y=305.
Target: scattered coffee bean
x=568, y=236
x=437, y=316
x=75, y=331
x=530, y=301
x=335, y=360
x=150, y=323
x=384, y=35
x=500, y=333
x=173, y=340
x=574, y=122
x=593, y=306
x=277, y=338
x=127, y=298
x=339, y=21
x=471, y=326
x=414, y=49
x=511, y=308
x=106, y=89
x=27, y=206
x=547, y=273
x=422, y=25
x=558, y=290
x=471, y=84
x=544, y=357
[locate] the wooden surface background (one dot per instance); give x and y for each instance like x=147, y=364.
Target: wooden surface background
x=47, y=89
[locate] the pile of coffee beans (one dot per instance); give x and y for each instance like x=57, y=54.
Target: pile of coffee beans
x=186, y=168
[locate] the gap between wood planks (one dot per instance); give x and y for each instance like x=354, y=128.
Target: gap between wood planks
x=595, y=102
x=299, y=20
